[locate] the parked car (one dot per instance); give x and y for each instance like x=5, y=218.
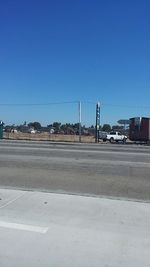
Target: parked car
x=115, y=137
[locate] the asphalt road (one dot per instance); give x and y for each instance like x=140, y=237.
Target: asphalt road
x=115, y=170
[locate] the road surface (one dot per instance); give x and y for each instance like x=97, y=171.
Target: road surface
x=45, y=229
x=116, y=170
x=50, y=229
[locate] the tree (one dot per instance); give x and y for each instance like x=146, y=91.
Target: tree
x=56, y=125
x=106, y=128
x=36, y=125
x=117, y=127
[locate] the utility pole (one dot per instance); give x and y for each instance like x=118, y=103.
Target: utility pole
x=80, y=119
x=97, y=122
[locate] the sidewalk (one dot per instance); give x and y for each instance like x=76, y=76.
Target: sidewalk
x=45, y=229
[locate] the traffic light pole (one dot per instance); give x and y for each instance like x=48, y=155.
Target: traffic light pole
x=80, y=119
x=97, y=122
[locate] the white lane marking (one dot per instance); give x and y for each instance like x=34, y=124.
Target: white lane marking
x=13, y=200
x=49, y=149
x=24, y=227
x=50, y=159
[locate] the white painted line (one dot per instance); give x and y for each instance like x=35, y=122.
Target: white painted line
x=49, y=149
x=75, y=161
x=24, y=227
x=13, y=200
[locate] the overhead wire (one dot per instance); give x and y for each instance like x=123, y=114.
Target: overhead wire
x=75, y=102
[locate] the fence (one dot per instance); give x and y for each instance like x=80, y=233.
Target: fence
x=61, y=121
x=64, y=121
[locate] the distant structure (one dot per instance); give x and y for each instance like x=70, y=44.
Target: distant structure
x=125, y=123
x=139, y=129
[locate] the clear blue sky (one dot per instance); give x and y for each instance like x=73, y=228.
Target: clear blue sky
x=65, y=50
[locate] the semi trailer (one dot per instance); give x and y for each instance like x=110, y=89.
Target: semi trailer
x=139, y=129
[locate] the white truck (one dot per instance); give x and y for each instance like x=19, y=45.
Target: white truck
x=115, y=137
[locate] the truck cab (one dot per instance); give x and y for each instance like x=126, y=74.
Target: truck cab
x=115, y=137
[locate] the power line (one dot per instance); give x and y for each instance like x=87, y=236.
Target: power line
x=124, y=106
x=75, y=102
x=38, y=104
x=89, y=102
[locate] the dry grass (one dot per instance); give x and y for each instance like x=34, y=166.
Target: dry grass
x=48, y=137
